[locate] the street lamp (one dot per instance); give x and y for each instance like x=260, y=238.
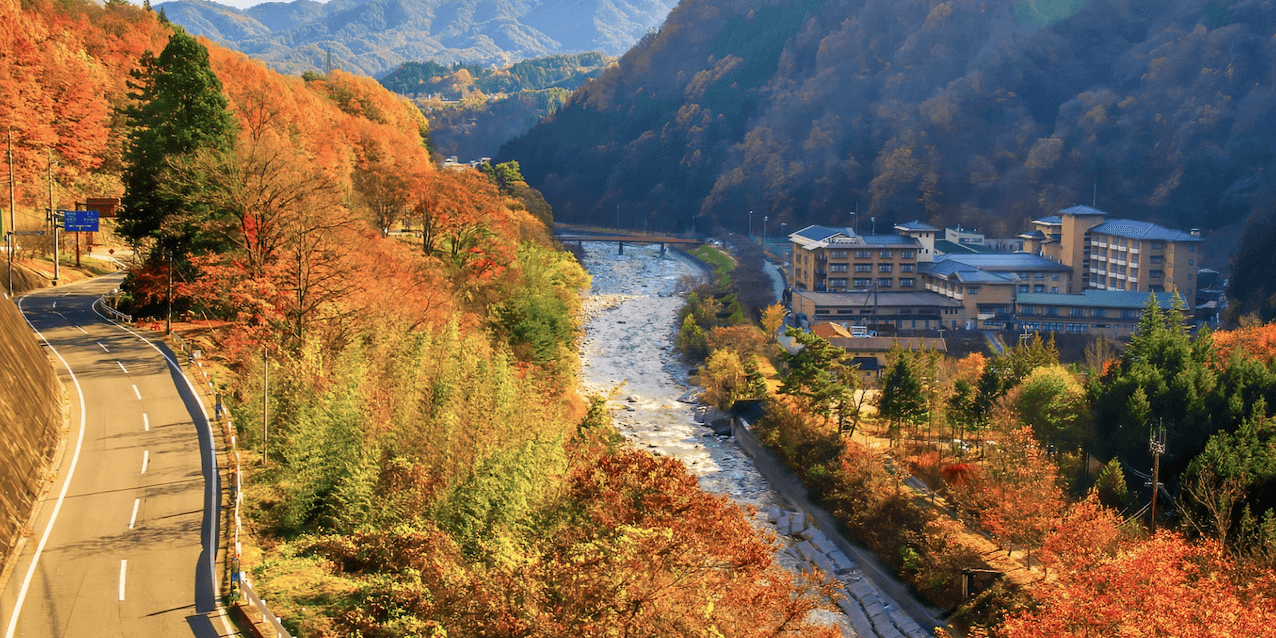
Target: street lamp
x=764, y=220
x=750, y=223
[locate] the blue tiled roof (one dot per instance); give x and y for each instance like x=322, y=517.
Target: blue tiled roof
x=888, y=240
x=820, y=233
x=963, y=272
x=916, y=225
x=1141, y=230
x=1006, y=261
x=1053, y=220
x=1081, y=209
x=1090, y=298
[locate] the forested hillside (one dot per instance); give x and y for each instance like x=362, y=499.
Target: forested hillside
x=983, y=113
x=372, y=37
x=476, y=109
x=431, y=469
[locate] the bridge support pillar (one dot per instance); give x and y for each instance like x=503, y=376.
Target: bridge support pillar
x=662, y=250
x=622, y=247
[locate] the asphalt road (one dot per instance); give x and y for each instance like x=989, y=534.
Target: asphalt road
x=124, y=541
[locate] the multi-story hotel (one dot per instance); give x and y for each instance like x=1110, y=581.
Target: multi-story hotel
x=837, y=259
x=1117, y=254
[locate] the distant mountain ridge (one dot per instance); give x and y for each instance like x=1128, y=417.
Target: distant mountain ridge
x=373, y=37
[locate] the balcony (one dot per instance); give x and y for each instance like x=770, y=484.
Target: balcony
x=1100, y=257
x=1119, y=262
x=1134, y=251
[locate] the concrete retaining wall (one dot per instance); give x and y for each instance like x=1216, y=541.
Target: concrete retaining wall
x=30, y=417
x=877, y=604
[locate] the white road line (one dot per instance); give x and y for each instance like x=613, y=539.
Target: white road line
x=133, y=520
x=121, y=365
x=206, y=432
x=139, y=394
x=57, y=507
x=123, y=567
x=55, y=304
x=99, y=343
x=146, y=457
x=146, y=422
x=82, y=330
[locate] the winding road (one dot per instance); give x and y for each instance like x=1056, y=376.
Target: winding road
x=124, y=541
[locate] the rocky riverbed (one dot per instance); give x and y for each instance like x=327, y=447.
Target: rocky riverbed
x=627, y=353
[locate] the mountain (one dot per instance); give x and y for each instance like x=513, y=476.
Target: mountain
x=372, y=37
x=979, y=112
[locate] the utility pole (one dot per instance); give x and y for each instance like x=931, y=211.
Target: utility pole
x=53, y=219
x=265, y=405
x=168, y=329
x=11, y=241
x=1157, y=446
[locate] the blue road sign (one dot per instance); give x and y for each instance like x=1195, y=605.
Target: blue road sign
x=80, y=220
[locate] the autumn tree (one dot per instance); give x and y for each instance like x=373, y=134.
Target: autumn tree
x=1052, y=403
x=382, y=190
x=1164, y=586
x=772, y=319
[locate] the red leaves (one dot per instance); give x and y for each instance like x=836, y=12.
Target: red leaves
x=1163, y=587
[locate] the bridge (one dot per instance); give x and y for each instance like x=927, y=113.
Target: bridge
x=632, y=239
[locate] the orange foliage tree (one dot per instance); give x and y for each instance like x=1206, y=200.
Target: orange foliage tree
x=1164, y=587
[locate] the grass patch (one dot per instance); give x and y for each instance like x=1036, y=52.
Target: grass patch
x=719, y=260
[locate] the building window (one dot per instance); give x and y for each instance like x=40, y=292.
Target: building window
x=1189, y=262
x=883, y=267
x=1052, y=311
x=1076, y=327
x=837, y=283
x=837, y=254
x=884, y=254
x=1101, y=313
x=1038, y=275
x=908, y=254
x=1156, y=274
x=1039, y=288
x=1158, y=245
x=1192, y=248
x=863, y=254
x=1157, y=259
x=1054, y=277
x=884, y=282
x=906, y=267
x=1130, y=314
x=1023, y=287
x=863, y=267
x=1054, y=290
x=1077, y=312
x=907, y=282
x=972, y=291
x=837, y=267
x=1025, y=275
x=862, y=283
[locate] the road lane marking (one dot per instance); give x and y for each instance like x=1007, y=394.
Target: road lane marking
x=146, y=422
x=146, y=457
x=99, y=343
x=133, y=520
x=82, y=330
x=55, y=304
x=57, y=507
x=123, y=567
x=139, y=394
x=206, y=432
x=121, y=365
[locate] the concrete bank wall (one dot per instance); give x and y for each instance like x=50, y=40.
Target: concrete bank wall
x=30, y=417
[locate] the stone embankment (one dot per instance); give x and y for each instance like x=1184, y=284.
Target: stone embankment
x=30, y=419
x=628, y=354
